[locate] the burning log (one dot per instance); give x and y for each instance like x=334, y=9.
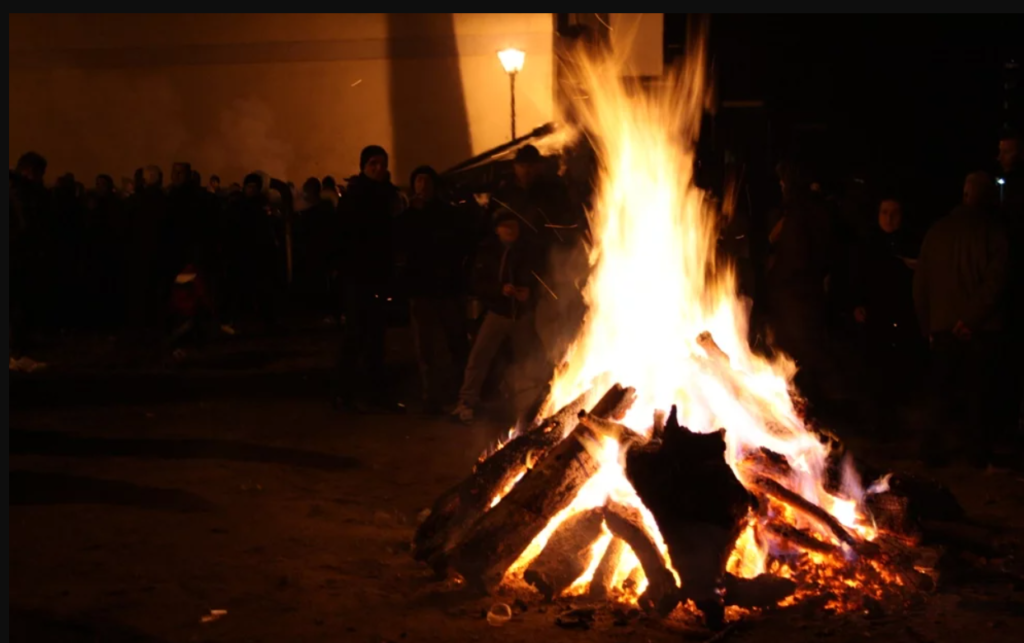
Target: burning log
x=662, y=593
x=802, y=540
x=456, y=510
x=699, y=506
x=498, y=537
x=776, y=491
x=620, y=433
x=604, y=575
x=566, y=555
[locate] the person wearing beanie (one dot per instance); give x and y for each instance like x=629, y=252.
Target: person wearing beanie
x=435, y=240
x=505, y=279
x=367, y=214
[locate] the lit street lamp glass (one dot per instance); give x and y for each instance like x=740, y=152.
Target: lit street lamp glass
x=512, y=60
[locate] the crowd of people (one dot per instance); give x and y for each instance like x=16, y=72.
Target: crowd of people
x=837, y=270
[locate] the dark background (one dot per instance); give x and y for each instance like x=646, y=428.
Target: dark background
x=911, y=103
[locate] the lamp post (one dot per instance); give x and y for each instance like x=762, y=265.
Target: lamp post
x=512, y=60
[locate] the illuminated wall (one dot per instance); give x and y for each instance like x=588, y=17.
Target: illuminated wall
x=295, y=95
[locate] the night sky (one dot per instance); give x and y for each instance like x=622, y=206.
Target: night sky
x=913, y=102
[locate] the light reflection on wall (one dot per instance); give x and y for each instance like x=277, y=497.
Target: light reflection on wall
x=294, y=94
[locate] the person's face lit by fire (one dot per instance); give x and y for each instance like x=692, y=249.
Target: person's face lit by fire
x=424, y=188
x=214, y=184
x=377, y=168
x=890, y=216
x=251, y=190
x=508, y=231
x=1009, y=150
x=526, y=173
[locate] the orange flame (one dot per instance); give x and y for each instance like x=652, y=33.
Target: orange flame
x=656, y=285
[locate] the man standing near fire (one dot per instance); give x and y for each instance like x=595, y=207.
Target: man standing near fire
x=503, y=278
x=959, y=293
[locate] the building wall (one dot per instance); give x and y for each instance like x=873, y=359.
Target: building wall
x=294, y=95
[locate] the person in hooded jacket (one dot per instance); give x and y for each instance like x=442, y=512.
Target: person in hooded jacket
x=366, y=267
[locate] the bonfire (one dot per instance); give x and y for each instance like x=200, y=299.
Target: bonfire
x=674, y=470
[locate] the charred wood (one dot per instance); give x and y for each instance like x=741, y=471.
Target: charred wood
x=456, y=510
x=698, y=503
x=799, y=539
x=777, y=492
x=662, y=593
x=499, y=536
x=604, y=575
x=566, y=554
x=761, y=591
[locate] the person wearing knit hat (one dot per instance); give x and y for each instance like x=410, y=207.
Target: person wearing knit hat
x=367, y=215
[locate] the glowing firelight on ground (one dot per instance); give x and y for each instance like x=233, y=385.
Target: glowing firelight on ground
x=656, y=285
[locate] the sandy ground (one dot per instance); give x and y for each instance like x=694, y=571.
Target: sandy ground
x=132, y=516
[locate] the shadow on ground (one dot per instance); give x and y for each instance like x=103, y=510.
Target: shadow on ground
x=35, y=488
x=33, y=625
x=53, y=443
x=52, y=390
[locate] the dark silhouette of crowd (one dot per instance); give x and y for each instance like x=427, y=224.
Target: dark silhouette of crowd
x=841, y=280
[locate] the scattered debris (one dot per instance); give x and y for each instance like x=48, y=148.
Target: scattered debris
x=576, y=619
x=214, y=615
x=499, y=614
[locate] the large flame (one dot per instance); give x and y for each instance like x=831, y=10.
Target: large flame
x=656, y=285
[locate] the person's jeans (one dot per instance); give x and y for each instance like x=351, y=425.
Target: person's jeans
x=439, y=332
x=527, y=383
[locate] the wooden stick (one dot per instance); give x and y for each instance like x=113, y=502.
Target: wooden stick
x=498, y=537
x=566, y=555
x=662, y=593
x=601, y=583
x=456, y=510
x=802, y=539
x=774, y=490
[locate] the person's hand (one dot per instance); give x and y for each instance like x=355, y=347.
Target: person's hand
x=860, y=314
x=961, y=331
x=522, y=293
x=508, y=290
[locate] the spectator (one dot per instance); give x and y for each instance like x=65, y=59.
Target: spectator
x=959, y=289
x=802, y=244
x=367, y=213
x=884, y=276
x=503, y=277
x=213, y=187
x=435, y=242
x=30, y=254
x=329, y=191
x=252, y=254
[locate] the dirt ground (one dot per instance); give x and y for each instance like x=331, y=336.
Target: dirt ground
x=132, y=516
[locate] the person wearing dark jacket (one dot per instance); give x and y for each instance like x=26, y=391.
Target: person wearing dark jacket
x=252, y=253
x=884, y=274
x=504, y=278
x=367, y=213
x=959, y=294
x=1011, y=209
x=802, y=256
x=434, y=240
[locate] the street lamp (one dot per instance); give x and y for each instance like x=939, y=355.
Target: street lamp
x=512, y=60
